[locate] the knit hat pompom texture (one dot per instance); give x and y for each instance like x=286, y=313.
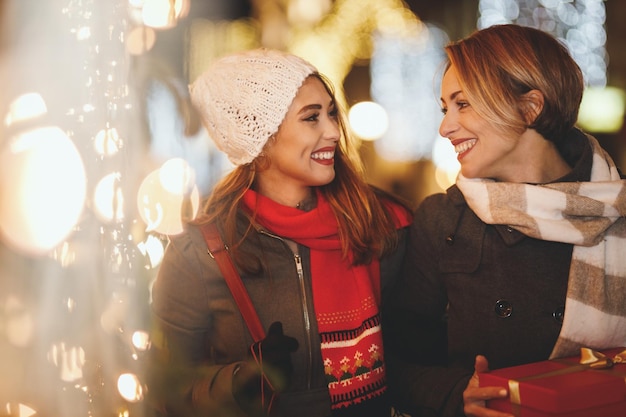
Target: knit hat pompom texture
x=243, y=98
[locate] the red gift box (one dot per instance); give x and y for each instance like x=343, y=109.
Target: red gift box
x=586, y=386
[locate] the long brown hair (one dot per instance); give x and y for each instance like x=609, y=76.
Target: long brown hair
x=366, y=228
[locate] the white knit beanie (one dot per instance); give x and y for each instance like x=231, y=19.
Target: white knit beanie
x=243, y=98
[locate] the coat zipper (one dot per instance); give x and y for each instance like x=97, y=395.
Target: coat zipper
x=305, y=308
x=307, y=320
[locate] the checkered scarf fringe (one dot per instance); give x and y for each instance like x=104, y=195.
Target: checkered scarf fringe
x=589, y=215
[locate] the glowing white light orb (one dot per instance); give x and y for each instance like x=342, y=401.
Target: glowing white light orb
x=165, y=211
x=42, y=189
x=26, y=106
x=129, y=387
x=602, y=109
x=368, y=120
x=107, y=142
x=108, y=199
x=447, y=165
x=141, y=340
x=176, y=176
x=162, y=14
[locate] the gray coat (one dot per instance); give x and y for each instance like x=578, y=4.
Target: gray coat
x=201, y=335
x=469, y=288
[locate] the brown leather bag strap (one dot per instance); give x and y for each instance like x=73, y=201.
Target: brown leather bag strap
x=219, y=251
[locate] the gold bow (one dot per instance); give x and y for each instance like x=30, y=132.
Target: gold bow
x=589, y=359
x=598, y=360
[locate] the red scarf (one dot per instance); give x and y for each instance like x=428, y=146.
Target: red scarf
x=346, y=297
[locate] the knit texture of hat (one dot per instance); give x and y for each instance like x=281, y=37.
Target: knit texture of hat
x=243, y=98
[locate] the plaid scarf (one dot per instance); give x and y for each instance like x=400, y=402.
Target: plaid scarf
x=589, y=215
x=346, y=297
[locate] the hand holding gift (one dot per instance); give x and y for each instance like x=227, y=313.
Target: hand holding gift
x=587, y=386
x=475, y=396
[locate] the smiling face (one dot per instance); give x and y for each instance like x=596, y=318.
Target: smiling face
x=483, y=150
x=301, y=155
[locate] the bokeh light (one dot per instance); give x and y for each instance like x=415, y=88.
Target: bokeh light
x=130, y=387
x=141, y=340
x=602, y=109
x=368, y=120
x=163, y=14
x=107, y=142
x=19, y=410
x=447, y=166
x=108, y=198
x=70, y=361
x=404, y=69
x=579, y=25
x=26, y=106
x=43, y=188
x=167, y=198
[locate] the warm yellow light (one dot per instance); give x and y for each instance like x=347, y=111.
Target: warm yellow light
x=69, y=359
x=141, y=340
x=368, y=120
x=42, y=189
x=602, y=110
x=21, y=410
x=307, y=12
x=26, y=411
x=444, y=157
x=165, y=211
x=444, y=178
x=140, y=40
x=161, y=13
x=447, y=166
x=129, y=387
x=64, y=254
x=26, y=106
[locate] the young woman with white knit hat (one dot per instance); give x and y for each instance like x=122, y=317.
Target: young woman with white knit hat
x=315, y=246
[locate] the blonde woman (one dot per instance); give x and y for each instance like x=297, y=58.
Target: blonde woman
x=519, y=261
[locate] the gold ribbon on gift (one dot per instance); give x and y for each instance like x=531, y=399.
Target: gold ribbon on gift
x=589, y=359
x=598, y=360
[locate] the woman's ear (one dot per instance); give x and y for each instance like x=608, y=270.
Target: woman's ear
x=532, y=105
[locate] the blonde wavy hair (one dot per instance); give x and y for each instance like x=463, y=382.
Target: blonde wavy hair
x=498, y=65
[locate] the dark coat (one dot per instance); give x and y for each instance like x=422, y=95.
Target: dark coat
x=470, y=288
x=200, y=336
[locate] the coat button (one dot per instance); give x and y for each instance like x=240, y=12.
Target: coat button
x=450, y=240
x=503, y=309
x=558, y=314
